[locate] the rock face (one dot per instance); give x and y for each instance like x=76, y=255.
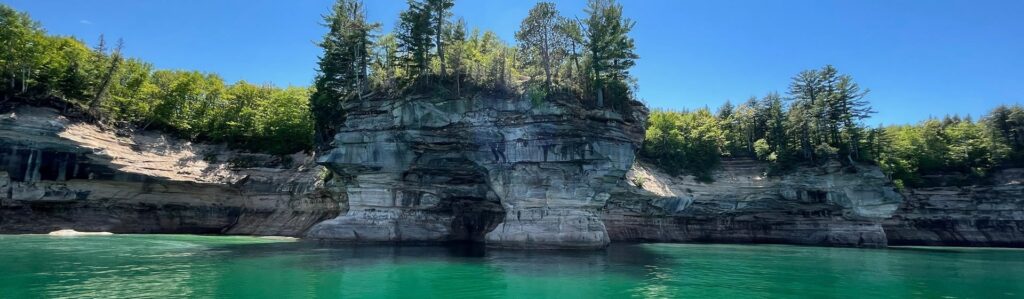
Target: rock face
x=814, y=206
x=989, y=215
x=504, y=171
x=500, y=170
x=58, y=174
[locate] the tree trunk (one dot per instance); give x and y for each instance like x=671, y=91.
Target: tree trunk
x=437, y=40
x=363, y=65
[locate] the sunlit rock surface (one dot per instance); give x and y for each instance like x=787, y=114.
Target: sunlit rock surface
x=826, y=205
x=506, y=171
x=60, y=174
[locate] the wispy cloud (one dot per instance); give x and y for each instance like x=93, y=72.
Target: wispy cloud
x=85, y=22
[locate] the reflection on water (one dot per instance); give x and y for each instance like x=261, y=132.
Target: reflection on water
x=242, y=267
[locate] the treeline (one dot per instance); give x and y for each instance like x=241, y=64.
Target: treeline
x=819, y=120
x=927, y=153
x=102, y=85
x=586, y=58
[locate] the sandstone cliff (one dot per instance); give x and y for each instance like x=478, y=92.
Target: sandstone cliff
x=826, y=205
x=60, y=174
x=986, y=215
x=501, y=170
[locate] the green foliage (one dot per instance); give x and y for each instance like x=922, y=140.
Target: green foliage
x=536, y=94
x=912, y=153
x=822, y=123
x=684, y=142
x=415, y=33
x=610, y=47
x=762, y=149
x=639, y=181
x=541, y=44
x=343, y=69
x=103, y=86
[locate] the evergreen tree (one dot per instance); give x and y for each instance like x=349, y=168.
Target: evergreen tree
x=776, y=124
x=342, y=72
x=415, y=33
x=456, y=41
x=573, y=34
x=609, y=45
x=440, y=11
x=805, y=92
x=108, y=77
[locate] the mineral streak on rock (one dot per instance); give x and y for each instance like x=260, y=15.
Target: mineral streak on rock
x=504, y=171
x=829, y=205
x=500, y=170
x=982, y=215
x=59, y=174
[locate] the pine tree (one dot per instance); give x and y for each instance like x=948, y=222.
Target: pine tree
x=776, y=123
x=342, y=72
x=415, y=32
x=456, y=41
x=440, y=11
x=104, y=86
x=609, y=45
x=570, y=29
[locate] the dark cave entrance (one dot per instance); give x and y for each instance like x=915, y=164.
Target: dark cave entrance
x=474, y=218
x=463, y=193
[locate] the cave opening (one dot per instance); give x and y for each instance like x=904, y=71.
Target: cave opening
x=460, y=189
x=474, y=218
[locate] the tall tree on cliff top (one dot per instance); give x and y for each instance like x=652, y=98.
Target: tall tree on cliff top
x=609, y=45
x=343, y=66
x=108, y=76
x=826, y=113
x=456, y=40
x=806, y=93
x=415, y=33
x=540, y=40
x=570, y=29
x=440, y=10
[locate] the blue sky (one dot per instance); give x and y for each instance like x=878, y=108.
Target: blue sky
x=919, y=58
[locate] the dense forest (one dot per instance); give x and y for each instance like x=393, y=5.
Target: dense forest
x=820, y=120
x=431, y=52
x=428, y=52
x=102, y=85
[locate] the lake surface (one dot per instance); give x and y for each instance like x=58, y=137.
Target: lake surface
x=166, y=266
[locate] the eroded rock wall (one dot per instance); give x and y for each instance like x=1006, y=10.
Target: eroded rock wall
x=60, y=174
x=826, y=205
x=985, y=215
x=501, y=170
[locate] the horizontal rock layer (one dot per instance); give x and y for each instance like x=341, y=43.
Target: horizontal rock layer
x=505, y=171
x=826, y=205
x=59, y=174
x=990, y=215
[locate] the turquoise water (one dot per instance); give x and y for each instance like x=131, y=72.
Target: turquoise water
x=167, y=266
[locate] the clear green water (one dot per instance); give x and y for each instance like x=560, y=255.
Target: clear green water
x=166, y=266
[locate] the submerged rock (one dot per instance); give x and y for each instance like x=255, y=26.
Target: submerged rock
x=504, y=171
x=74, y=233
